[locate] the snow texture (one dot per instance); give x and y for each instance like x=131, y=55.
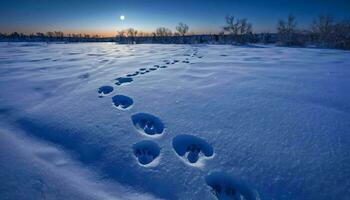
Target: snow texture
x=107, y=121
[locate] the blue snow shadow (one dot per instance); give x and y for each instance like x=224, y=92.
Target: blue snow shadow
x=95, y=153
x=88, y=152
x=148, y=124
x=122, y=102
x=146, y=151
x=224, y=187
x=192, y=147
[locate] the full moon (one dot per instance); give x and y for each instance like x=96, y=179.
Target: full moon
x=122, y=17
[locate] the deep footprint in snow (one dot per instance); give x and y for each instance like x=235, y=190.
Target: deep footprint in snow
x=226, y=187
x=166, y=62
x=144, y=72
x=148, y=124
x=105, y=90
x=122, y=102
x=123, y=80
x=133, y=74
x=163, y=66
x=146, y=152
x=192, y=148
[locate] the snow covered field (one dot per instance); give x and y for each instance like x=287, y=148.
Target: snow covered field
x=178, y=122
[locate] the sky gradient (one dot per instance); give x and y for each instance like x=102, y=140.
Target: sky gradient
x=102, y=17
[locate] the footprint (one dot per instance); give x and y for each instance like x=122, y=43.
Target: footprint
x=122, y=102
x=186, y=61
x=152, y=68
x=84, y=76
x=105, y=90
x=148, y=124
x=193, y=148
x=146, y=152
x=123, y=80
x=227, y=187
x=163, y=66
x=133, y=74
x=144, y=72
x=156, y=66
x=142, y=69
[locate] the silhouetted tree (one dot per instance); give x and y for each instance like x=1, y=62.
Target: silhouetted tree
x=340, y=37
x=131, y=33
x=231, y=26
x=182, y=28
x=162, y=31
x=240, y=30
x=50, y=34
x=162, y=34
x=287, y=31
x=322, y=29
x=121, y=33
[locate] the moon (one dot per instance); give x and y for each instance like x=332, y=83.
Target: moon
x=122, y=17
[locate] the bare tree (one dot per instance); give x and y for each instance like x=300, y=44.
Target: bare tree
x=131, y=33
x=239, y=29
x=244, y=27
x=121, y=33
x=50, y=34
x=287, y=31
x=182, y=28
x=342, y=35
x=331, y=34
x=322, y=28
x=231, y=25
x=58, y=34
x=163, y=32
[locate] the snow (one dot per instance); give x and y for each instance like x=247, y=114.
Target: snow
x=277, y=119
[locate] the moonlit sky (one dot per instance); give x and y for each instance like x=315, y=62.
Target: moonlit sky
x=203, y=16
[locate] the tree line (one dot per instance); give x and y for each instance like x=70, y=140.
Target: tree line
x=323, y=32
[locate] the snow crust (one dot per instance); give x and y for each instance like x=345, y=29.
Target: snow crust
x=277, y=119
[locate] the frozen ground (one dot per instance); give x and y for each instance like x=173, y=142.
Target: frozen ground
x=199, y=122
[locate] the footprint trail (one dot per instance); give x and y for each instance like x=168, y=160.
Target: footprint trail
x=191, y=149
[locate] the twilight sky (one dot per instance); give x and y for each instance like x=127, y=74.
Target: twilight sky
x=203, y=16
